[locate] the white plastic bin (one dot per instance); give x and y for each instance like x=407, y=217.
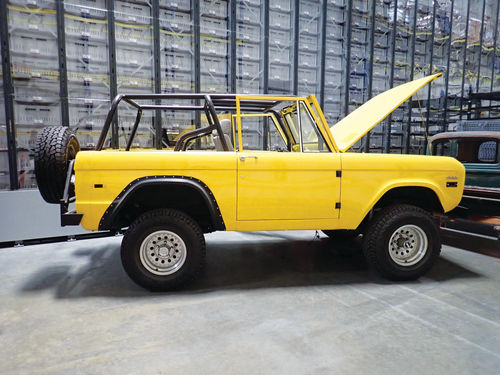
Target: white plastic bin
x=38, y=115
x=139, y=35
x=85, y=28
x=132, y=13
x=214, y=27
x=173, y=41
x=214, y=46
x=248, y=69
x=177, y=61
x=182, y=5
x=213, y=65
x=84, y=8
x=214, y=8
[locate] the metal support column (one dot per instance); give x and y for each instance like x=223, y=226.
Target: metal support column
x=447, y=77
x=265, y=62
x=63, y=76
x=232, y=52
x=495, y=39
x=464, y=57
x=157, y=70
x=348, y=57
x=480, y=47
x=296, y=49
x=196, y=47
x=8, y=91
x=366, y=147
x=197, y=74
x=113, y=91
x=323, y=54
x=387, y=132
x=406, y=148
x=429, y=89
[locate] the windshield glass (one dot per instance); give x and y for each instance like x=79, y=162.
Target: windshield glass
x=305, y=133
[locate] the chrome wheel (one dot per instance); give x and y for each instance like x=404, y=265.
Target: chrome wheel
x=163, y=252
x=408, y=245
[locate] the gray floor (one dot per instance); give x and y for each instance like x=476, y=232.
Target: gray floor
x=280, y=303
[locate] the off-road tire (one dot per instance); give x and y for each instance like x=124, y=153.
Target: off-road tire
x=383, y=256
x=169, y=223
x=342, y=234
x=55, y=147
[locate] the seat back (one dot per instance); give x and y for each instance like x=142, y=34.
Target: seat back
x=226, y=129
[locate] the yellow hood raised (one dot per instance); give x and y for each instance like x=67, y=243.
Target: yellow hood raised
x=351, y=128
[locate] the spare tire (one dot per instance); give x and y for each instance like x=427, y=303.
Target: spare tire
x=55, y=147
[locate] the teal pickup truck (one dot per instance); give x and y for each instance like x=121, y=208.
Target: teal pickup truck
x=479, y=151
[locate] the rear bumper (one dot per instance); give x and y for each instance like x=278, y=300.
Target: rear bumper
x=68, y=217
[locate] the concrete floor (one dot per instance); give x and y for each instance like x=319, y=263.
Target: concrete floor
x=269, y=302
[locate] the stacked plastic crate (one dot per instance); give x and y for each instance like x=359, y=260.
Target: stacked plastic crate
x=358, y=80
x=87, y=65
x=423, y=41
x=398, y=120
x=281, y=46
x=442, y=34
x=358, y=72
x=35, y=73
x=134, y=65
x=249, y=46
x=381, y=64
x=334, y=60
x=495, y=55
x=249, y=65
x=488, y=62
x=456, y=59
x=177, y=60
x=309, y=47
x=214, y=45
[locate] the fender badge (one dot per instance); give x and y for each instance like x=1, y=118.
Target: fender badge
x=452, y=178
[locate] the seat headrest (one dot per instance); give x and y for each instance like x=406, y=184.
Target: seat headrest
x=225, y=124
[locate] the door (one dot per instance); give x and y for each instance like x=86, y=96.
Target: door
x=288, y=185
x=297, y=181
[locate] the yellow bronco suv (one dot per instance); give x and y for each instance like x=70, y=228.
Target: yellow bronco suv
x=296, y=174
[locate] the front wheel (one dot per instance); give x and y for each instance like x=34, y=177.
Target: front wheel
x=163, y=250
x=402, y=242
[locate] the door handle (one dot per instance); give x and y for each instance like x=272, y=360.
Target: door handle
x=242, y=158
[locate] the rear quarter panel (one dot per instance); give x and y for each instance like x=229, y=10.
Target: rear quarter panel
x=116, y=169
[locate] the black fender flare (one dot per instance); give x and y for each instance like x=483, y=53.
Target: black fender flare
x=110, y=215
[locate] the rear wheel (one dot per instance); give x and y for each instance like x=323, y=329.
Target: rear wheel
x=163, y=250
x=402, y=242
x=55, y=147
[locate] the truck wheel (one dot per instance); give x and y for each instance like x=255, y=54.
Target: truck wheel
x=55, y=147
x=163, y=250
x=342, y=234
x=402, y=242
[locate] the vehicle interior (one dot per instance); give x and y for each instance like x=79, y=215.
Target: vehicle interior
x=221, y=122
x=468, y=150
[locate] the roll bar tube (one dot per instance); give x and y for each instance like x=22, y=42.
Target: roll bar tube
x=181, y=143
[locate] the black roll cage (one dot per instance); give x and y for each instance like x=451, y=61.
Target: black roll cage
x=212, y=104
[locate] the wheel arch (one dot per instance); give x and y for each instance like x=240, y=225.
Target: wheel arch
x=186, y=194
x=420, y=195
